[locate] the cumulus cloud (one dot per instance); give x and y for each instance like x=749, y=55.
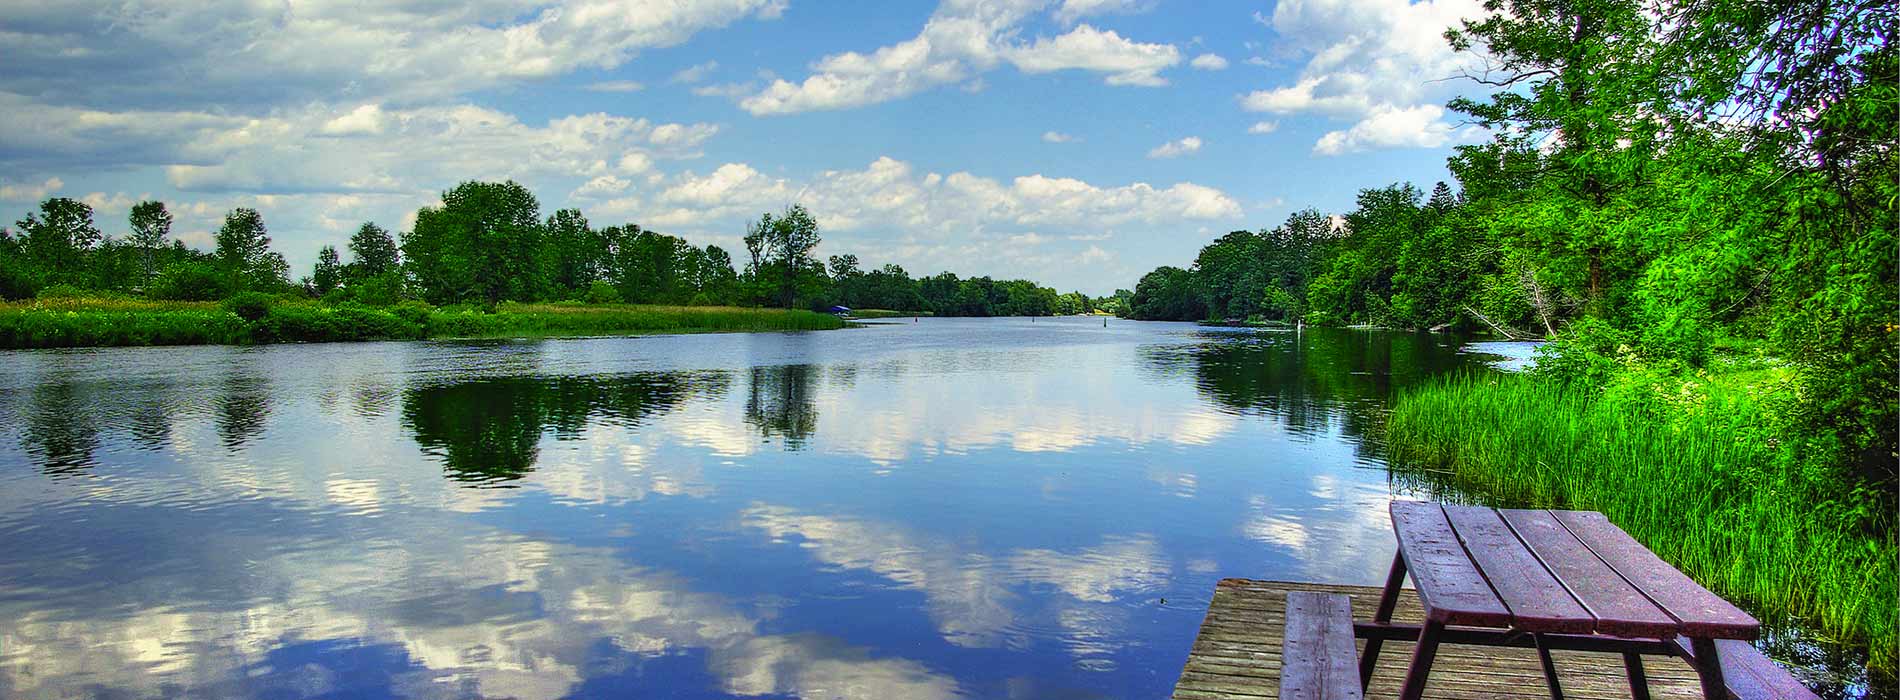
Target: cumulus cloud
x=1264, y=127
x=108, y=53
x=1059, y=137
x=1377, y=63
x=1208, y=61
x=1390, y=127
x=960, y=41
x=1176, y=148
x=1087, y=48
x=31, y=193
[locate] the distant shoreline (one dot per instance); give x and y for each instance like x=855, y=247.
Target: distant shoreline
x=119, y=322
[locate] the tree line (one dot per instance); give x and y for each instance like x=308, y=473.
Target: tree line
x=1664, y=182
x=486, y=243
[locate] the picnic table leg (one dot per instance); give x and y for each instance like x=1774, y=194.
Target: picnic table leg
x=1709, y=667
x=1387, y=600
x=1550, y=669
x=1422, y=656
x=1639, y=684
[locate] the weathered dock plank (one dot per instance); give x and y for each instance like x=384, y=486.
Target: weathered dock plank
x=1237, y=656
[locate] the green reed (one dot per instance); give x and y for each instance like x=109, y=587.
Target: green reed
x=1703, y=476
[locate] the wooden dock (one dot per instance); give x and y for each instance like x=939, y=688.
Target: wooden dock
x=1237, y=656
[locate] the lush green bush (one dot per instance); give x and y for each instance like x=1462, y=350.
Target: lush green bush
x=314, y=323
x=189, y=281
x=36, y=325
x=249, y=306
x=1700, y=468
x=602, y=292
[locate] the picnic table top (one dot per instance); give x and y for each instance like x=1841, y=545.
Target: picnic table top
x=1552, y=571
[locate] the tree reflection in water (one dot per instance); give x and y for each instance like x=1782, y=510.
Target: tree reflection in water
x=781, y=402
x=488, y=431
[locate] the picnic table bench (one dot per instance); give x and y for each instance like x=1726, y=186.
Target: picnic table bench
x=1565, y=580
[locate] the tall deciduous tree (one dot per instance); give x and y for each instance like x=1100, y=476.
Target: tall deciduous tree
x=243, y=253
x=150, y=224
x=328, y=273
x=781, y=251
x=372, y=253
x=58, y=239
x=575, y=254
x=484, y=243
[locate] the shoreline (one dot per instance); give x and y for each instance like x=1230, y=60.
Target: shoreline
x=98, y=323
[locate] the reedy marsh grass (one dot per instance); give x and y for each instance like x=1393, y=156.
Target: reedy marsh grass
x=1702, y=474
x=122, y=321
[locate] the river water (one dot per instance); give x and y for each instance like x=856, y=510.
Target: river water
x=989, y=508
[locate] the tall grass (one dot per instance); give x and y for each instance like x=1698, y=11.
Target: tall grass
x=118, y=321
x=512, y=319
x=1702, y=478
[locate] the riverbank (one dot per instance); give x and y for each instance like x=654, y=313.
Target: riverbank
x=1698, y=469
x=101, y=322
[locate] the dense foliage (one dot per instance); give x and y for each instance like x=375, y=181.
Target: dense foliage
x=1664, y=181
x=1680, y=194
x=486, y=244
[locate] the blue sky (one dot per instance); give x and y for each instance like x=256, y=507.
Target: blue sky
x=1075, y=142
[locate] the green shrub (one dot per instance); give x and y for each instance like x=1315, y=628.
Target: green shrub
x=601, y=292
x=189, y=281
x=414, y=311
x=378, y=290
x=64, y=291
x=309, y=323
x=249, y=306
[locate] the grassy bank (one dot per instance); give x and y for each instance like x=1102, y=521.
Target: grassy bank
x=1696, y=470
x=87, y=322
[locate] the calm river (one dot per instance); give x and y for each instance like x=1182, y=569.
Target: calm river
x=951, y=508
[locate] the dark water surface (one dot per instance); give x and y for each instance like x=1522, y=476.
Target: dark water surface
x=952, y=508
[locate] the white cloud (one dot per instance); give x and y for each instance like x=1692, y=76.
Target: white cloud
x=266, y=54
x=695, y=73
x=933, y=220
x=960, y=41
x=615, y=86
x=1265, y=127
x=1389, y=127
x=1059, y=137
x=1087, y=48
x=1367, y=60
x=1176, y=148
x=1208, y=61
x=30, y=193
x=366, y=120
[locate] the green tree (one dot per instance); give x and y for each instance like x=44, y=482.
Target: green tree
x=150, y=223
x=574, y=252
x=372, y=252
x=244, y=256
x=328, y=273
x=781, y=251
x=57, y=241
x=484, y=243
x=1167, y=294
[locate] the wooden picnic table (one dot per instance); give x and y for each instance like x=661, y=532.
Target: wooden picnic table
x=1548, y=579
